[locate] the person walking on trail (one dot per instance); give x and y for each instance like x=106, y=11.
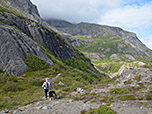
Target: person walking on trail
x=46, y=86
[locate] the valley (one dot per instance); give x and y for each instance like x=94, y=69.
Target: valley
x=111, y=65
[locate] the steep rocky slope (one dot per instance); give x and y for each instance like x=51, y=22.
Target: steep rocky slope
x=22, y=34
x=102, y=41
x=23, y=7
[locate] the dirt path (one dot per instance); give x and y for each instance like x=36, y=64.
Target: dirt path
x=69, y=106
x=63, y=106
x=53, y=81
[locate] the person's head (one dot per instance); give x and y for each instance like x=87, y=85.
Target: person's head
x=46, y=79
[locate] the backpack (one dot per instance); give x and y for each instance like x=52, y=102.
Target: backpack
x=47, y=85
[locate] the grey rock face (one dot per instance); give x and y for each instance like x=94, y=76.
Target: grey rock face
x=45, y=36
x=24, y=6
x=14, y=47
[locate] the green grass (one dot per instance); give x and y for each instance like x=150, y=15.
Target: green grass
x=3, y=3
x=118, y=91
x=149, y=97
x=127, y=97
x=5, y=10
x=102, y=110
x=1, y=71
x=102, y=42
x=11, y=87
x=35, y=63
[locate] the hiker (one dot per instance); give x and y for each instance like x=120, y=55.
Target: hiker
x=46, y=86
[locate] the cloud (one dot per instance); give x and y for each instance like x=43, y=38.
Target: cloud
x=75, y=10
x=131, y=16
x=147, y=40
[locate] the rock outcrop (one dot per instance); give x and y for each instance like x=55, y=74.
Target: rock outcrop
x=14, y=47
x=24, y=7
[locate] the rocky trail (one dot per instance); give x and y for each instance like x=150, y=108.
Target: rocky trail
x=69, y=106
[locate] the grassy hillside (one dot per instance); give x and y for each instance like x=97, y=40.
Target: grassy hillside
x=101, y=48
x=17, y=91
x=100, y=44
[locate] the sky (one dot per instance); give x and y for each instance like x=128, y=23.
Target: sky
x=131, y=15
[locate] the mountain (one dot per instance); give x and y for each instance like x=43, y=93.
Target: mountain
x=101, y=41
x=22, y=33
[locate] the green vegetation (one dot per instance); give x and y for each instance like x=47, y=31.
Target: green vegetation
x=4, y=77
x=80, y=64
x=1, y=71
x=127, y=97
x=3, y=3
x=149, y=97
x=83, y=112
x=35, y=63
x=102, y=44
x=11, y=87
x=5, y=10
x=112, y=66
x=102, y=110
x=119, y=91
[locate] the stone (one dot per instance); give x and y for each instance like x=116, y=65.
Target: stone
x=129, y=57
x=62, y=84
x=16, y=111
x=141, y=63
x=46, y=107
x=115, y=57
x=80, y=90
x=4, y=111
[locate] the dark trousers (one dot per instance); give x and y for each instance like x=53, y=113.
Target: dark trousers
x=46, y=91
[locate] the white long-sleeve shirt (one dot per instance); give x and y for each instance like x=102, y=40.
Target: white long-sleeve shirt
x=45, y=85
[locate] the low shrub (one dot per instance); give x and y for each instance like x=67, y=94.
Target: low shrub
x=119, y=91
x=35, y=63
x=68, y=88
x=1, y=71
x=11, y=87
x=149, y=97
x=4, y=77
x=128, y=97
x=102, y=110
x=80, y=64
x=2, y=104
x=83, y=112
x=35, y=81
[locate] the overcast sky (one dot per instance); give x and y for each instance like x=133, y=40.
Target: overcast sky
x=131, y=15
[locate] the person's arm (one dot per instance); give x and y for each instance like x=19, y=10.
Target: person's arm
x=43, y=84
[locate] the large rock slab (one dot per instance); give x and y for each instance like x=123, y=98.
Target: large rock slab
x=14, y=47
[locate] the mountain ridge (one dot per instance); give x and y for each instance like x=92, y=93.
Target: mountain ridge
x=85, y=31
